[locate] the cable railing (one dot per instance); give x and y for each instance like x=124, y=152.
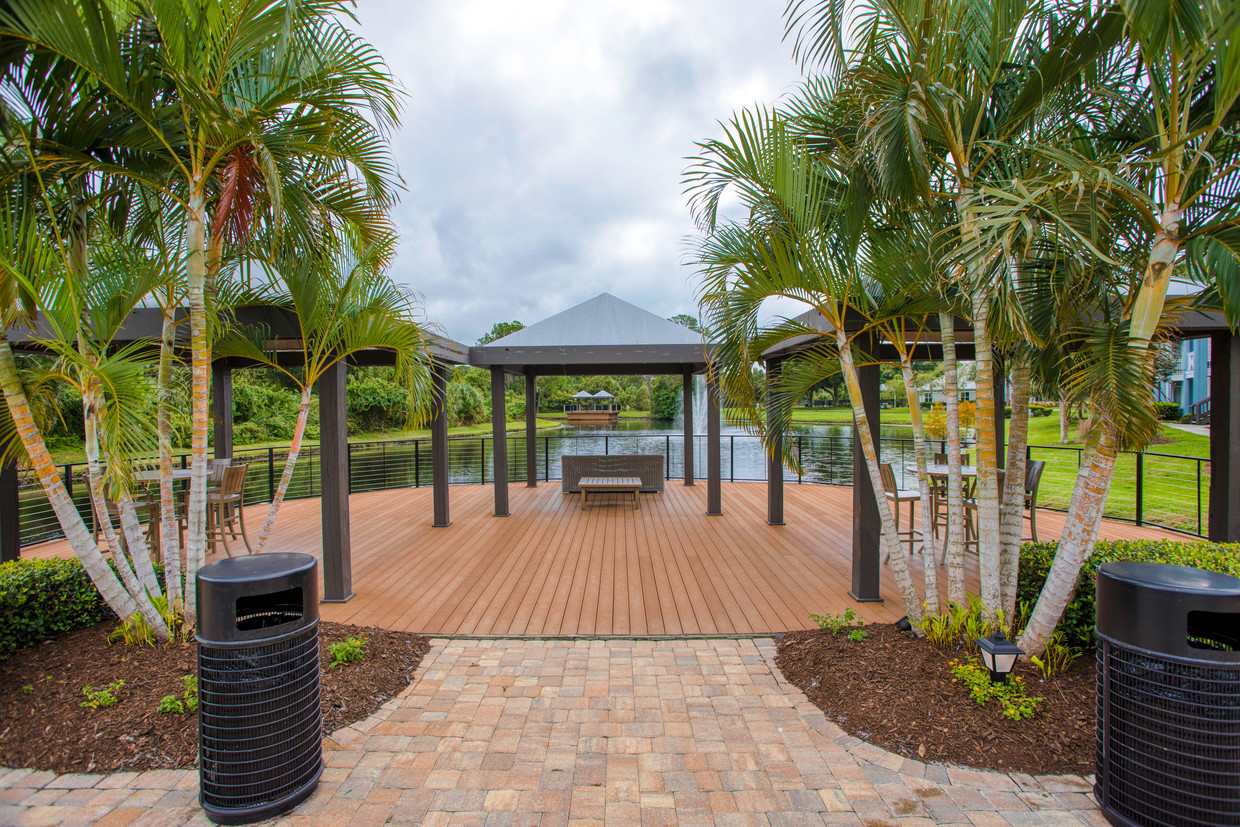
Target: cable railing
x=1163, y=490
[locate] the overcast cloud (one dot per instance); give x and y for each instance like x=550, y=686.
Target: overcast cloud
x=542, y=144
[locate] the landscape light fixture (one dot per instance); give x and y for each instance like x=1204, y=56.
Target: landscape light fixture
x=998, y=655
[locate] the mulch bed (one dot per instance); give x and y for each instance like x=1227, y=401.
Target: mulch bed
x=44, y=726
x=896, y=692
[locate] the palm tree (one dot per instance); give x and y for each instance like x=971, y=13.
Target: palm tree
x=1156, y=164
x=941, y=87
x=234, y=111
x=800, y=240
x=343, y=305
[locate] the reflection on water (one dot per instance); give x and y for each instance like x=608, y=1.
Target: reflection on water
x=825, y=453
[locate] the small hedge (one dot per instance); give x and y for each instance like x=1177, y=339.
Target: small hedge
x=42, y=599
x=1168, y=411
x=1078, y=619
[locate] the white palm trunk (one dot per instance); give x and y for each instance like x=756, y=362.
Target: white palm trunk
x=1076, y=544
x=1012, y=520
x=897, y=555
x=1094, y=482
x=953, y=531
x=1063, y=419
x=76, y=532
x=200, y=389
x=286, y=477
x=986, y=490
x=138, y=580
x=168, y=534
x=929, y=554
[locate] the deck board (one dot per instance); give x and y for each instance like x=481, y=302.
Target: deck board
x=551, y=568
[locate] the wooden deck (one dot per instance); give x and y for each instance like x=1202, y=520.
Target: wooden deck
x=553, y=569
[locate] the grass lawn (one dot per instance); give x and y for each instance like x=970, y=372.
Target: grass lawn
x=75, y=454
x=1169, y=483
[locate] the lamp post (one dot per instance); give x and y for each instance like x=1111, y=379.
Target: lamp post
x=998, y=655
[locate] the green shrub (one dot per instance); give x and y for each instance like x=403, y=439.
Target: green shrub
x=43, y=599
x=1077, y=624
x=1168, y=411
x=346, y=651
x=1040, y=410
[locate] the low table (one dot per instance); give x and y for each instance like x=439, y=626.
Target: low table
x=605, y=484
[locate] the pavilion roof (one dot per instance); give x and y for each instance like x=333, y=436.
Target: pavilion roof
x=604, y=335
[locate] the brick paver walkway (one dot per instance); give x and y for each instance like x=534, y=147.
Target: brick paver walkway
x=568, y=732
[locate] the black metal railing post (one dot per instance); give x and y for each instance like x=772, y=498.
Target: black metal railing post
x=1140, y=486
x=69, y=479
x=271, y=474
x=417, y=463
x=800, y=467
x=348, y=467
x=482, y=459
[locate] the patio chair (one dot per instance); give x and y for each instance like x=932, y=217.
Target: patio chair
x=1033, y=478
x=215, y=476
x=899, y=496
x=225, y=514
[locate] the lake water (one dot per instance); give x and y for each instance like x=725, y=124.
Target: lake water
x=825, y=452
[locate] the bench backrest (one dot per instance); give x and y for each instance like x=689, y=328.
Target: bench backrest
x=649, y=467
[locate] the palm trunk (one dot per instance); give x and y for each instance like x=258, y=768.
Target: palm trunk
x=200, y=389
x=168, y=535
x=953, y=532
x=896, y=553
x=929, y=555
x=1012, y=519
x=286, y=477
x=986, y=491
x=1147, y=310
x=1076, y=543
x=76, y=532
x=139, y=580
x=1063, y=419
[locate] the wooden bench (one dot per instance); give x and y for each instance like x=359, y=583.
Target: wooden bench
x=608, y=484
x=646, y=467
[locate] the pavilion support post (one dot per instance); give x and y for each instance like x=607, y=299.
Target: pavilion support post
x=10, y=514
x=499, y=434
x=867, y=529
x=714, y=486
x=334, y=479
x=222, y=408
x=687, y=391
x=439, y=448
x=531, y=429
x=1224, y=525
x=1000, y=410
x=774, y=455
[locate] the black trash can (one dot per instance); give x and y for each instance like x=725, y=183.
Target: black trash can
x=260, y=726
x=1168, y=695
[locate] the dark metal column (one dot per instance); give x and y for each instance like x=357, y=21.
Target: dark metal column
x=714, y=484
x=334, y=479
x=531, y=429
x=10, y=514
x=439, y=448
x=499, y=434
x=222, y=408
x=1224, y=438
x=1000, y=420
x=687, y=392
x=866, y=527
x=774, y=456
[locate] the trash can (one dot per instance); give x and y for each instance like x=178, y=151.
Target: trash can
x=260, y=726
x=1168, y=695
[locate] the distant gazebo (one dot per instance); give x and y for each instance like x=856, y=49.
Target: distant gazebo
x=585, y=408
x=603, y=336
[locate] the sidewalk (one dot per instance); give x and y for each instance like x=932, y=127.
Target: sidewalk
x=615, y=732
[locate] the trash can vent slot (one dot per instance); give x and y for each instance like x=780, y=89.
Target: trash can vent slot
x=1216, y=631
x=262, y=611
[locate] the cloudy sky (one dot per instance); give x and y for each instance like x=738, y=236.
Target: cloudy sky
x=542, y=144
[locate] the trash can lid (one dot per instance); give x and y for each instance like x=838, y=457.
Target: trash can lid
x=256, y=567
x=1168, y=576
